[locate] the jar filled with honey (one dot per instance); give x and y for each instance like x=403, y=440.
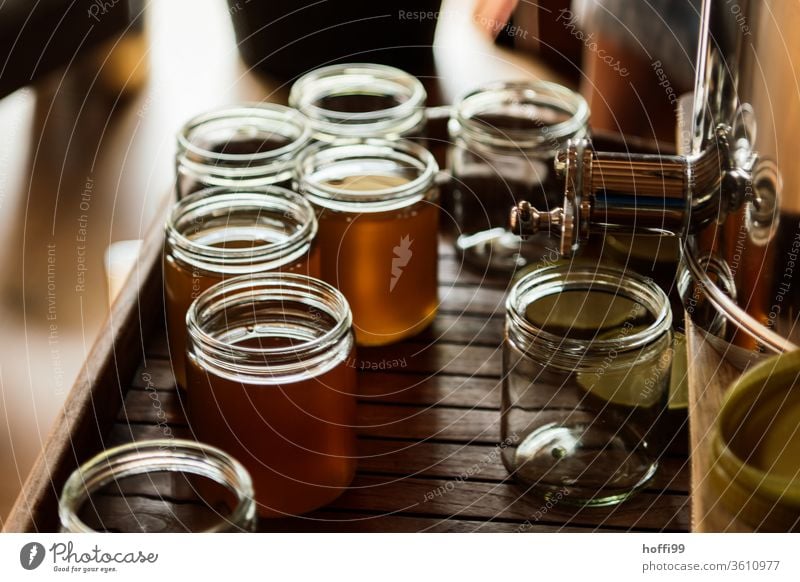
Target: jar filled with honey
x=271, y=381
x=221, y=232
x=247, y=146
x=360, y=100
x=378, y=216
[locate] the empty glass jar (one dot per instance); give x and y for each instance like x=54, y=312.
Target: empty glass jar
x=360, y=100
x=222, y=232
x=167, y=486
x=246, y=146
x=504, y=139
x=271, y=379
x=586, y=362
x=378, y=216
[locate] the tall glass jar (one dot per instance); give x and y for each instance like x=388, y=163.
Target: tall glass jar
x=360, y=100
x=378, y=216
x=271, y=379
x=246, y=146
x=504, y=139
x=586, y=365
x=222, y=232
x=166, y=485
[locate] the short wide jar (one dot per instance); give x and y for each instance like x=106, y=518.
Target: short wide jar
x=222, y=232
x=271, y=380
x=161, y=486
x=378, y=216
x=586, y=371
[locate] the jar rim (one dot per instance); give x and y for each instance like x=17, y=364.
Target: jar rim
x=539, y=93
x=338, y=78
x=283, y=287
x=157, y=455
x=341, y=150
x=549, y=280
x=264, y=111
x=229, y=199
x=779, y=373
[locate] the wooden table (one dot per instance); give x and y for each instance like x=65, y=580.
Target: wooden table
x=429, y=429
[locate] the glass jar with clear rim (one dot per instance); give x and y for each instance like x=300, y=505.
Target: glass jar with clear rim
x=378, y=216
x=246, y=146
x=165, y=485
x=504, y=139
x=586, y=372
x=222, y=232
x=271, y=378
x=360, y=100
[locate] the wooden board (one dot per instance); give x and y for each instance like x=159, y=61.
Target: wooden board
x=428, y=439
x=709, y=377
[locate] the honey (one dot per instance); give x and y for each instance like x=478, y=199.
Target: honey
x=270, y=381
x=378, y=221
x=220, y=233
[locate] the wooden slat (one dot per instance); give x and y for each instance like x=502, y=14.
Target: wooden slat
x=471, y=300
x=332, y=521
x=477, y=460
x=709, y=377
x=444, y=460
x=478, y=500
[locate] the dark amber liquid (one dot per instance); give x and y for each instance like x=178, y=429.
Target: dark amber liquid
x=297, y=439
x=383, y=262
x=354, y=103
x=182, y=285
x=247, y=146
x=233, y=145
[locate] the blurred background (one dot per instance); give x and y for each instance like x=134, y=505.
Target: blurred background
x=91, y=96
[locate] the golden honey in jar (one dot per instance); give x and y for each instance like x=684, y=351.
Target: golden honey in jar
x=378, y=217
x=221, y=232
x=271, y=381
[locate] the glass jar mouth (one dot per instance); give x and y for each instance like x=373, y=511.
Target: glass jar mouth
x=360, y=79
x=754, y=391
x=270, y=118
x=550, y=280
x=152, y=456
x=243, y=295
x=319, y=164
x=287, y=210
x=525, y=98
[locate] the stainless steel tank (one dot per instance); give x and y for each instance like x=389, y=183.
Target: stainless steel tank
x=734, y=198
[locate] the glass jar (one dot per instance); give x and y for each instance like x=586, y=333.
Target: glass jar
x=271, y=378
x=586, y=364
x=360, y=101
x=165, y=485
x=378, y=216
x=223, y=232
x=755, y=447
x=504, y=139
x=246, y=146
